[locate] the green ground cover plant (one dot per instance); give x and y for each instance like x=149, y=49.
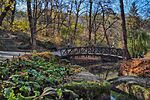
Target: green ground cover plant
x=41, y=76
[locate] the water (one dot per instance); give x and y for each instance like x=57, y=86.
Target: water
x=113, y=98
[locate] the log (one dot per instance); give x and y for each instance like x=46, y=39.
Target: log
x=134, y=80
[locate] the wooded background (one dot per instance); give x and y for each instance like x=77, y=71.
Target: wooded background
x=112, y=23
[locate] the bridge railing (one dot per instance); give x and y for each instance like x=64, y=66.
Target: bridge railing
x=92, y=50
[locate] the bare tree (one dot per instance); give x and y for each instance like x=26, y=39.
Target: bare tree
x=103, y=18
x=35, y=10
x=96, y=23
x=78, y=8
x=108, y=19
x=70, y=11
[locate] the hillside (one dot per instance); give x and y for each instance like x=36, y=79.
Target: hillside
x=19, y=41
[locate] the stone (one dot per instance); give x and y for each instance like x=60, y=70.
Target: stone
x=86, y=76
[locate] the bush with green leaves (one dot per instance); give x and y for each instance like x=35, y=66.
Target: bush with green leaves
x=138, y=42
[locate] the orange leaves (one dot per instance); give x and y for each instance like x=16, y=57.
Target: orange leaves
x=136, y=67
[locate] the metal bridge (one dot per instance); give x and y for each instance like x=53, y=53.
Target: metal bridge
x=92, y=51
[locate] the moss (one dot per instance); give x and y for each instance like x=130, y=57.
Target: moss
x=92, y=90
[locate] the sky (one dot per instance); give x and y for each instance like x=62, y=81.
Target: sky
x=141, y=4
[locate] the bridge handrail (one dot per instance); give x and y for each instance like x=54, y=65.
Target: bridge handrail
x=89, y=47
x=99, y=50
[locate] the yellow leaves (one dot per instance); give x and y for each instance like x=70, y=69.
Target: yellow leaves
x=76, y=69
x=147, y=55
x=6, y=3
x=45, y=54
x=21, y=25
x=57, y=40
x=23, y=73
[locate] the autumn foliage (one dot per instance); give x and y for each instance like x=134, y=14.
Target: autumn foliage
x=136, y=67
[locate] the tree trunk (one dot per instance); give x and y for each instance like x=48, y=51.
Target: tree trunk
x=34, y=34
x=32, y=24
x=29, y=11
x=107, y=39
x=33, y=39
x=13, y=14
x=47, y=19
x=58, y=23
x=69, y=24
x=124, y=35
x=75, y=28
x=95, y=37
x=90, y=22
x=4, y=13
x=54, y=28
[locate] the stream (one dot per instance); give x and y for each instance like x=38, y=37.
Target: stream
x=105, y=70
